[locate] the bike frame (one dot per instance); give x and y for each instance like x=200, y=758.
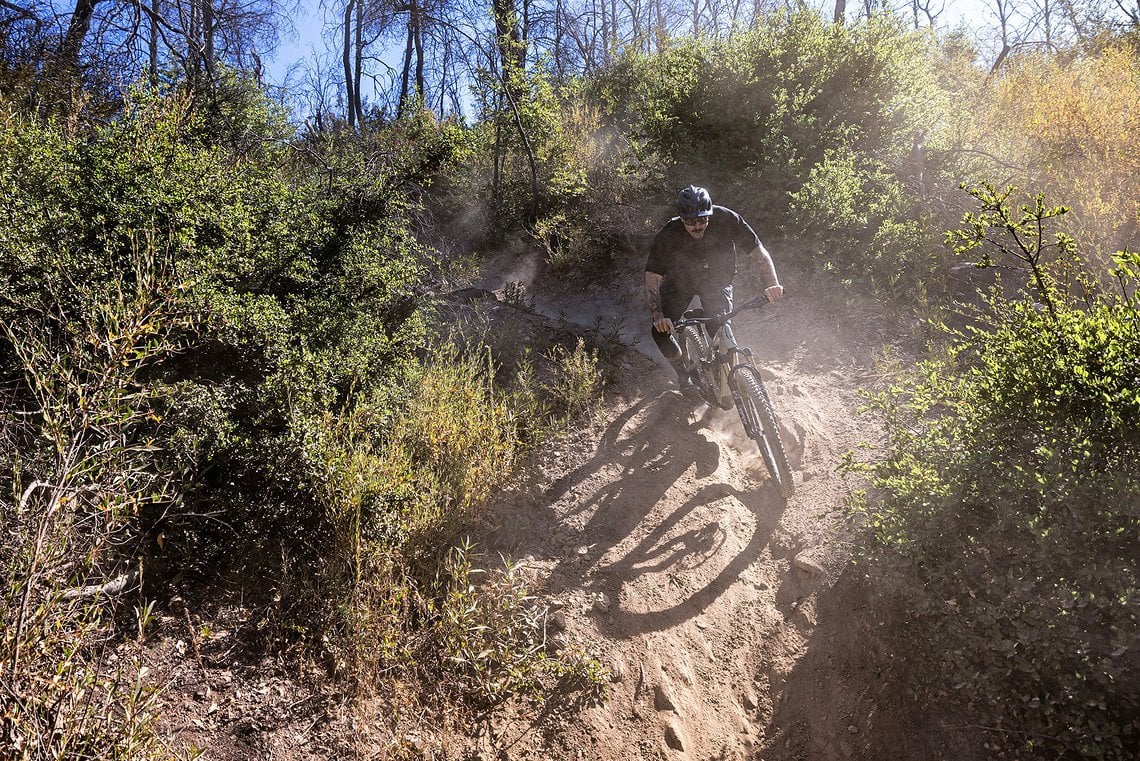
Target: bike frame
x=724, y=354
x=727, y=361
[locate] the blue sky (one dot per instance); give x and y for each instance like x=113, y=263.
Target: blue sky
x=307, y=43
x=300, y=44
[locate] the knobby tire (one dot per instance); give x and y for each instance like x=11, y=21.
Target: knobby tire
x=694, y=344
x=765, y=429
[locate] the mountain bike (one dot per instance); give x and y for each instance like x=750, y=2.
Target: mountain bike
x=725, y=376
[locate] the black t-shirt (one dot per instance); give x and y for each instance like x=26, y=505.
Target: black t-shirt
x=710, y=261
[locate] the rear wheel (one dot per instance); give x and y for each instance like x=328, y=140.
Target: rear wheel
x=694, y=346
x=760, y=421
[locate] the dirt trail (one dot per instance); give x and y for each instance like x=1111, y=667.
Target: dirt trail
x=727, y=617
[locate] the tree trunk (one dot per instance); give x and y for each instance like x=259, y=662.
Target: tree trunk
x=208, y=37
x=349, y=80
x=1004, y=10
x=496, y=157
x=402, y=103
x=512, y=57
x=512, y=54
x=1005, y=48
x=193, y=54
x=443, y=86
x=419, y=42
x=559, y=28
x=1047, y=18
x=531, y=163
x=152, y=47
x=613, y=31
x=840, y=11
x=76, y=33
x=358, y=102
x=605, y=33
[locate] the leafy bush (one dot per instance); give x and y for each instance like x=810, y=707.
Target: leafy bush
x=555, y=178
x=89, y=483
x=496, y=639
x=522, y=141
x=871, y=229
x=1007, y=508
x=756, y=112
x=809, y=129
x=66, y=700
x=177, y=316
x=577, y=386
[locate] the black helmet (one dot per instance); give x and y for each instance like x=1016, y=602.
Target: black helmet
x=694, y=202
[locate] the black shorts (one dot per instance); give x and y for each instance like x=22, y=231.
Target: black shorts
x=675, y=299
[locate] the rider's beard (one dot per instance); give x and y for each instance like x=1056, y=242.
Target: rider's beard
x=698, y=234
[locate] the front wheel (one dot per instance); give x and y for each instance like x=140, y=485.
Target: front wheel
x=694, y=348
x=760, y=422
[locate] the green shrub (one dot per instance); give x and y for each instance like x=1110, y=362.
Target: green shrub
x=554, y=179
x=577, y=385
x=293, y=300
x=1006, y=513
x=753, y=114
x=408, y=603
x=91, y=475
x=807, y=128
x=870, y=228
x=218, y=349
x=64, y=700
x=496, y=638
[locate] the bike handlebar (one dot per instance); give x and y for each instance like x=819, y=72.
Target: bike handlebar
x=756, y=303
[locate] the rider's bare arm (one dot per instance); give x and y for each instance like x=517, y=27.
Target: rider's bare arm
x=653, y=301
x=772, y=288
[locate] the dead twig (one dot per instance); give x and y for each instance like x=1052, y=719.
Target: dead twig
x=197, y=651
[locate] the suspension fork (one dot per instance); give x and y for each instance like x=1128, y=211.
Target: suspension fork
x=726, y=360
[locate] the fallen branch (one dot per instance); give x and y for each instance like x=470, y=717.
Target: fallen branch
x=112, y=588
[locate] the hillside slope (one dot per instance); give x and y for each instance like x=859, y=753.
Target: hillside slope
x=734, y=625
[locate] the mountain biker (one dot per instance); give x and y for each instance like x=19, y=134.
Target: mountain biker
x=695, y=254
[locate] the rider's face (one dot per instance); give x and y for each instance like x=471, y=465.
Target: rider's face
x=696, y=227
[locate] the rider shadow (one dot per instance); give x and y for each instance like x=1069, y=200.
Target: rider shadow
x=663, y=549
x=542, y=516
x=655, y=454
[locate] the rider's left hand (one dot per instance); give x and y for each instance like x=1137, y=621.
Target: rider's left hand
x=774, y=293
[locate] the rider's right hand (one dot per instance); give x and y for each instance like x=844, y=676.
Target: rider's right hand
x=664, y=325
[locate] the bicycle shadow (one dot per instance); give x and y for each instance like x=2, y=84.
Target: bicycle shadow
x=664, y=550
x=632, y=520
